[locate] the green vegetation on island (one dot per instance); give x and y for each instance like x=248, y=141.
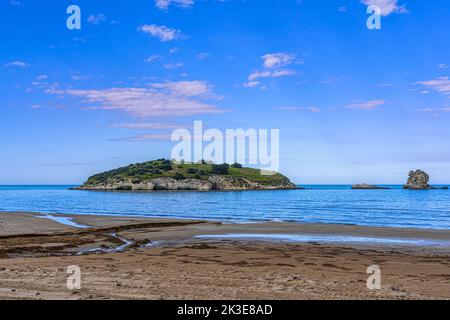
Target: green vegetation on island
x=133, y=176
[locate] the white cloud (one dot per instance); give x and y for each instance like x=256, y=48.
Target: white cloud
x=96, y=18
x=289, y=108
x=173, y=66
x=79, y=77
x=153, y=58
x=186, y=88
x=146, y=137
x=253, y=77
x=42, y=77
x=183, y=98
x=164, y=4
x=443, y=66
x=441, y=84
x=277, y=60
x=334, y=80
x=283, y=73
x=148, y=126
x=387, y=6
x=252, y=84
x=19, y=64
x=202, y=55
x=272, y=62
x=385, y=85
x=435, y=109
x=369, y=105
x=436, y=112
x=258, y=75
x=162, y=32
x=311, y=109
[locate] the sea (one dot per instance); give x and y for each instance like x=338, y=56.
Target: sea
x=331, y=204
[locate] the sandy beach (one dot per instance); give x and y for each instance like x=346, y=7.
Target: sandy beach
x=141, y=258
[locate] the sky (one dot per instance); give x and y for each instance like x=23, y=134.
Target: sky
x=352, y=104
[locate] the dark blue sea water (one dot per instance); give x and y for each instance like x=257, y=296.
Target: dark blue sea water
x=318, y=204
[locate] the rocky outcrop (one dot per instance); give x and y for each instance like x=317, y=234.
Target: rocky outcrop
x=214, y=182
x=233, y=183
x=150, y=185
x=365, y=186
x=418, y=180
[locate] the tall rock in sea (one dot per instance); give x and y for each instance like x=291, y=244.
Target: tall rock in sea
x=418, y=180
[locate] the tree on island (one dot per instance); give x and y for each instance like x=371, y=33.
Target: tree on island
x=220, y=168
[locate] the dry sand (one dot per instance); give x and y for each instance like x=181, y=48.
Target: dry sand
x=163, y=260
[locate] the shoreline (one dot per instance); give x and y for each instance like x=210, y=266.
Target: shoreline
x=29, y=224
x=85, y=221
x=332, y=226
x=142, y=258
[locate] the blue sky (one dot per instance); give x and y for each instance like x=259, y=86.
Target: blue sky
x=353, y=105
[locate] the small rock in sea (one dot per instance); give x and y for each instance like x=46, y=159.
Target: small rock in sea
x=366, y=186
x=418, y=180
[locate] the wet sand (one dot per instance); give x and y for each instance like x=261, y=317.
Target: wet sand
x=139, y=258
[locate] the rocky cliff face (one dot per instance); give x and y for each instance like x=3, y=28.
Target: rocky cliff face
x=214, y=182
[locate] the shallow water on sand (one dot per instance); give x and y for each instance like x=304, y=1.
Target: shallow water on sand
x=303, y=238
x=318, y=204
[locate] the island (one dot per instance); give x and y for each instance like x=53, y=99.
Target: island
x=163, y=174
